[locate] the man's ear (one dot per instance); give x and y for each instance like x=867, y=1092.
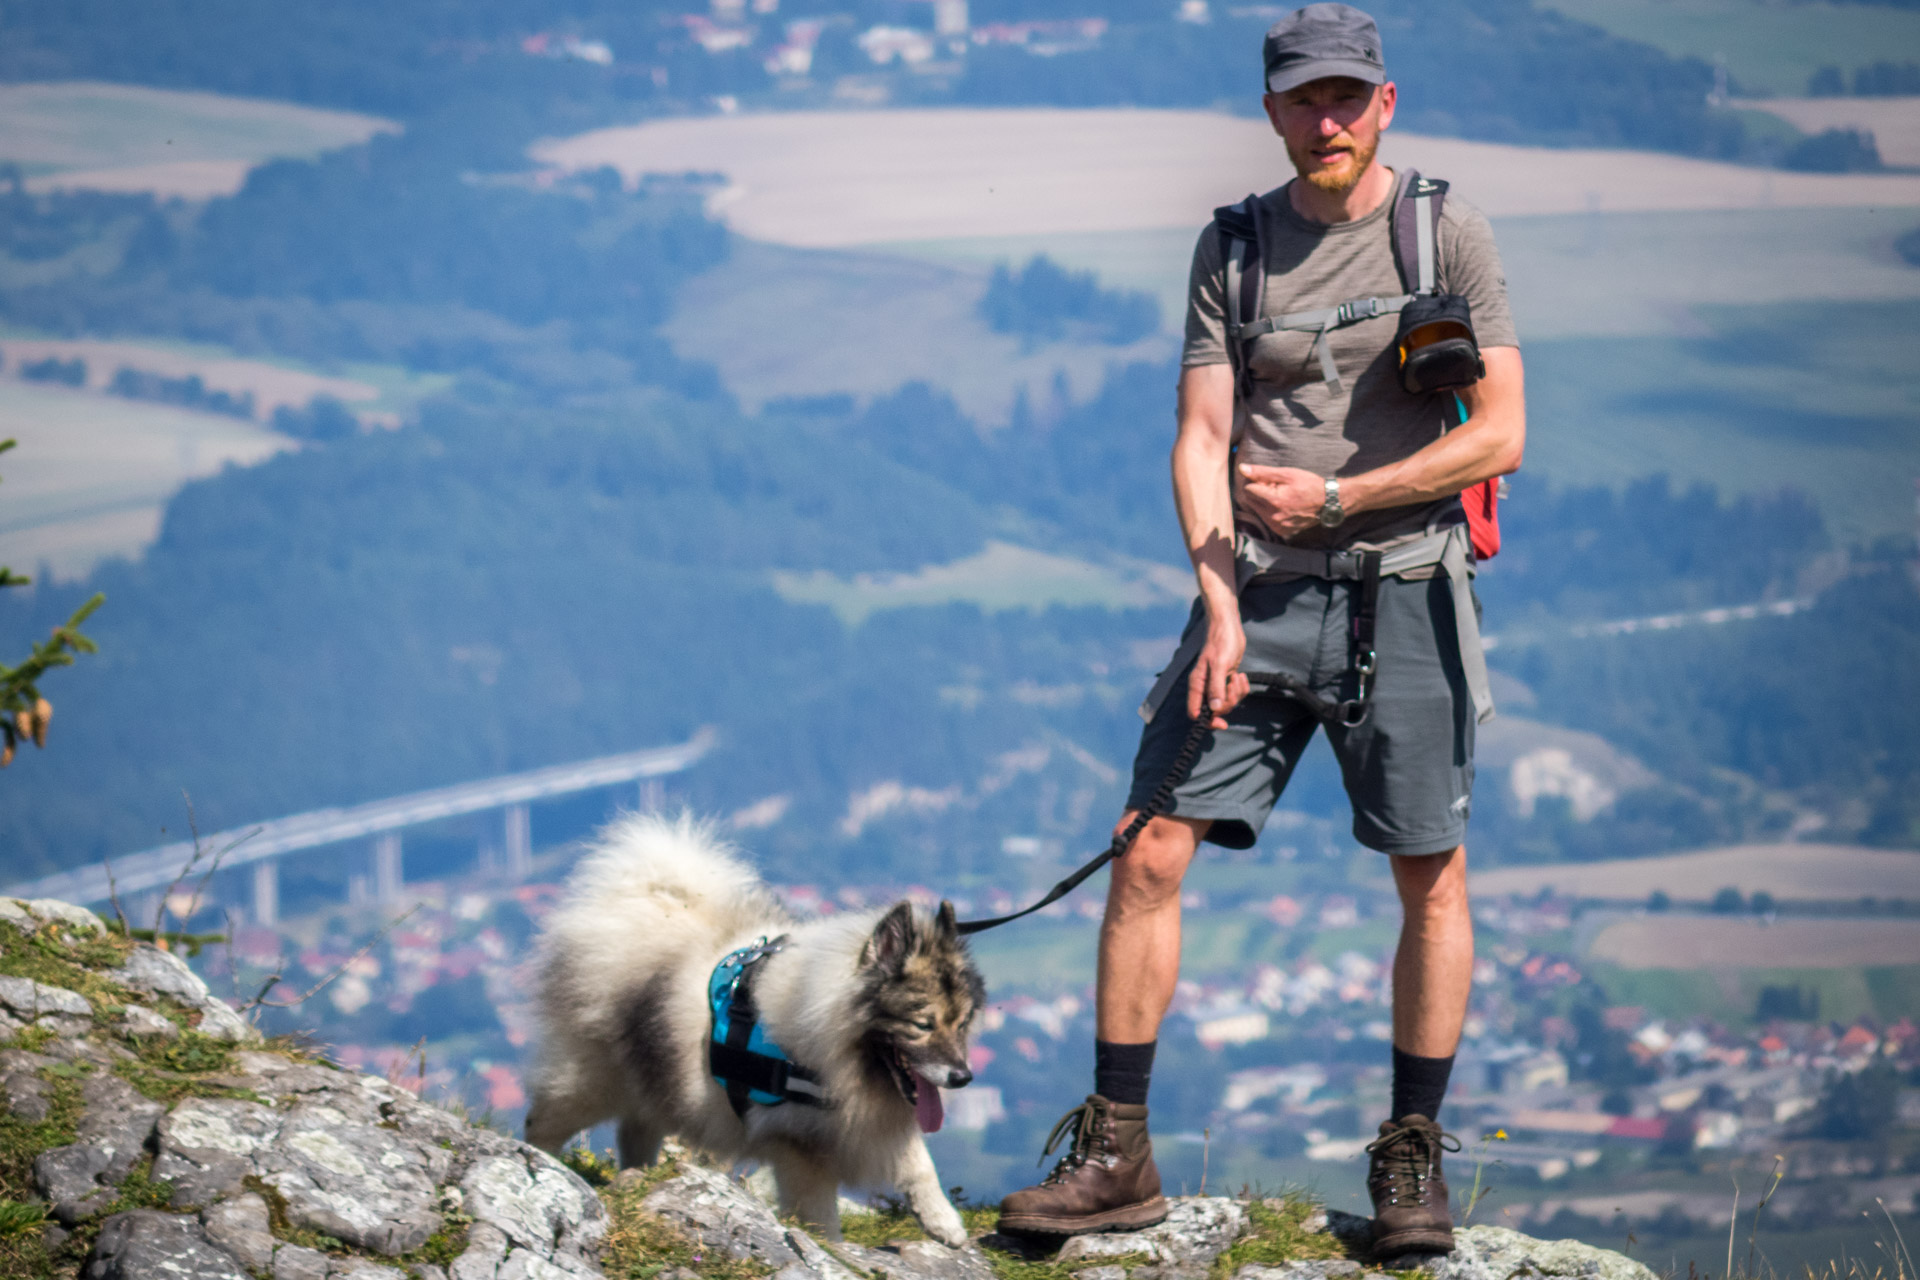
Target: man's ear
x=946, y=922
x=891, y=938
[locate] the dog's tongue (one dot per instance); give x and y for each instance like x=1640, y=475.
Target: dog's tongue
x=927, y=1107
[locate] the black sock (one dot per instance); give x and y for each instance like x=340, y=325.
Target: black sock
x=1419, y=1085
x=1121, y=1071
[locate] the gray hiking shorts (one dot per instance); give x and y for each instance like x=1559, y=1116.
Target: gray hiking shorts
x=1408, y=769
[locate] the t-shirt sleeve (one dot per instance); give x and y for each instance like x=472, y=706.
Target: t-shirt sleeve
x=1471, y=266
x=1206, y=305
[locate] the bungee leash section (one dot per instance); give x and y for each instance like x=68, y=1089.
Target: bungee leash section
x=1273, y=682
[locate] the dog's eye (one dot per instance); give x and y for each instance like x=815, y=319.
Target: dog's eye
x=923, y=1024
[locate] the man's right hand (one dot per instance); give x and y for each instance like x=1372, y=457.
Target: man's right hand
x=1216, y=677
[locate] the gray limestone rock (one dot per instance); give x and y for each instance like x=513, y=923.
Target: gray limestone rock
x=486, y=1249
x=208, y=1145
x=27, y=999
x=241, y=1227
x=139, y=1021
x=54, y=911
x=357, y=1182
x=540, y=1203
x=163, y=973
x=145, y=1244
x=296, y=1262
x=116, y=1123
x=361, y=1269
x=1109, y=1273
x=22, y=1083
x=1198, y=1229
x=14, y=912
x=1497, y=1253
x=922, y=1260
x=722, y=1214
x=1316, y=1269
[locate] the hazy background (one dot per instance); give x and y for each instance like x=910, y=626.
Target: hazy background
x=444, y=391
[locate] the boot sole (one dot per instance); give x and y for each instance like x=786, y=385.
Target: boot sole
x=1127, y=1218
x=1424, y=1240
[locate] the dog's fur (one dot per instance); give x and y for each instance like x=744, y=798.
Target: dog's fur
x=879, y=1003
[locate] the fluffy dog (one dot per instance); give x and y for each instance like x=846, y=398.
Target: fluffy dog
x=878, y=1004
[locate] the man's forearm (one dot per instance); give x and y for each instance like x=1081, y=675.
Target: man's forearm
x=1205, y=503
x=1489, y=443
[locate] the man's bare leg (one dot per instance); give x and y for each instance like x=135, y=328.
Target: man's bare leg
x=1432, y=973
x=1433, y=969
x=1140, y=935
x=1108, y=1181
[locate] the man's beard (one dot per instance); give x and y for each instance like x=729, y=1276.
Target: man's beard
x=1339, y=180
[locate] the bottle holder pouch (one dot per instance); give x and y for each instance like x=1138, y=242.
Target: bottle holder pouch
x=1438, y=350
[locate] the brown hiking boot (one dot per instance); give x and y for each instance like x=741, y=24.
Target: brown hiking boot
x=1410, y=1210
x=1105, y=1182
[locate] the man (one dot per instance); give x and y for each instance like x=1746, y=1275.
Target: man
x=1301, y=465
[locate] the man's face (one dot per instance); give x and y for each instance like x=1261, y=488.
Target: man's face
x=1332, y=128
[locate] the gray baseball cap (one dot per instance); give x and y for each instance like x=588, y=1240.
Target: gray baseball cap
x=1323, y=40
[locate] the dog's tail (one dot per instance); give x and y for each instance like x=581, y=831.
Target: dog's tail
x=644, y=865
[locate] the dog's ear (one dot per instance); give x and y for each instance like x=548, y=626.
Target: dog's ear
x=891, y=938
x=946, y=922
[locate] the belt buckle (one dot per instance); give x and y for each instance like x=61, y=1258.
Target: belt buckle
x=1343, y=564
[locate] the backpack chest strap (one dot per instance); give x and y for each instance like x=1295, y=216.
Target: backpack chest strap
x=1321, y=322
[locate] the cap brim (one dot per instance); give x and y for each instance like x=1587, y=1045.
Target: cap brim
x=1281, y=79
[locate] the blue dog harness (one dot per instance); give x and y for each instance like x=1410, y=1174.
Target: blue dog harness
x=751, y=1067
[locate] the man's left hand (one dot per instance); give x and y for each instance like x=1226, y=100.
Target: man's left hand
x=1286, y=499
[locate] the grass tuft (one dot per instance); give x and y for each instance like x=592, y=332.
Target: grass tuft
x=1277, y=1234
x=641, y=1245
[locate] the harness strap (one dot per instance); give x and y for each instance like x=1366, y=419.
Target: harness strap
x=1424, y=238
x=1320, y=322
x=1259, y=558
x=743, y=1070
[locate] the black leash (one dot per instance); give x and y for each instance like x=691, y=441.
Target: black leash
x=1351, y=713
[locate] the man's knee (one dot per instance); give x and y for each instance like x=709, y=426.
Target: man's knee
x=1150, y=872
x=1434, y=883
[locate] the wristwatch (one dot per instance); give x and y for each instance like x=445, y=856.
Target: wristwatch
x=1331, y=512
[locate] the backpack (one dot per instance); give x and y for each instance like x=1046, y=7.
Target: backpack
x=1435, y=340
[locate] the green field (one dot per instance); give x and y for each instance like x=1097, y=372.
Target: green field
x=1886, y=994
x=49, y=128
x=1770, y=46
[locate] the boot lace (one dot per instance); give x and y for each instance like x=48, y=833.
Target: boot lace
x=1403, y=1161
x=1085, y=1124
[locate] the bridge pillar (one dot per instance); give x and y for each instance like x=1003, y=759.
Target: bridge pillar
x=386, y=867
x=266, y=893
x=519, y=838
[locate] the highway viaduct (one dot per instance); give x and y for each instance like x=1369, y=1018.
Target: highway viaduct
x=261, y=845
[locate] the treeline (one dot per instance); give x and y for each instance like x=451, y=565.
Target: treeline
x=1534, y=76
x=1875, y=80
x=1045, y=302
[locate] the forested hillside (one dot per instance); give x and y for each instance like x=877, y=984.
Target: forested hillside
x=1505, y=70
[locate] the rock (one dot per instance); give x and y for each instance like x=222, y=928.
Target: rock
x=139, y=1021
x=359, y=1183
x=537, y=1201
x=14, y=912
x=241, y=1227
x=54, y=911
x=145, y=1244
x=296, y=1262
x=925, y=1260
x=163, y=973
x=1198, y=1229
x=20, y=1080
x=28, y=999
x=1116, y=1273
x=722, y=1214
x=361, y=1269
x=116, y=1123
x=1497, y=1253
x=208, y=1145
x=1313, y=1269
x=486, y=1250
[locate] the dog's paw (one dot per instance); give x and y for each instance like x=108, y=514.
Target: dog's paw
x=944, y=1225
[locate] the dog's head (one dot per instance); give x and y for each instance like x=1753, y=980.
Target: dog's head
x=919, y=991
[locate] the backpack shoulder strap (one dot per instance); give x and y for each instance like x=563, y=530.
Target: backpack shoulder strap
x=1245, y=284
x=1416, y=231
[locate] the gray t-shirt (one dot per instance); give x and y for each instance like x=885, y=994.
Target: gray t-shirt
x=1295, y=419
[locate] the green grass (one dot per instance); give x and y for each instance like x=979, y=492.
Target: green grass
x=640, y=1245
x=1729, y=997
x=82, y=125
x=1770, y=46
